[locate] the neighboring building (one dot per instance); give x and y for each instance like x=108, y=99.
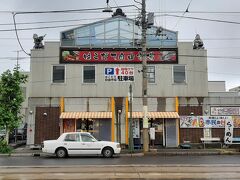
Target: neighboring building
x=236, y=89
x=216, y=86
x=82, y=82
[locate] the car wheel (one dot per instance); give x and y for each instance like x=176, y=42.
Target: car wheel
x=61, y=153
x=107, y=152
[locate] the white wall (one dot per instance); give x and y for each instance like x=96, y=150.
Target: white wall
x=42, y=86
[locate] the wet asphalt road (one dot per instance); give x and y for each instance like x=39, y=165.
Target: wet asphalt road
x=141, y=160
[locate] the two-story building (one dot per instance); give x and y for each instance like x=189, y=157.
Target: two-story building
x=82, y=83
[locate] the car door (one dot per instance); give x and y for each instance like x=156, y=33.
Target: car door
x=72, y=143
x=90, y=144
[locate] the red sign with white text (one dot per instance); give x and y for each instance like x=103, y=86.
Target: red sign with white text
x=123, y=56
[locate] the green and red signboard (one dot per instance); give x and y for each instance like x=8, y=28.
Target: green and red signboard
x=168, y=56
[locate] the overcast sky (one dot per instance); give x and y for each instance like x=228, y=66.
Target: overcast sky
x=221, y=38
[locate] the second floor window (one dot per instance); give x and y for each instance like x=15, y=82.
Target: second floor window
x=179, y=74
x=151, y=74
x=58, y=75
x=88, y=74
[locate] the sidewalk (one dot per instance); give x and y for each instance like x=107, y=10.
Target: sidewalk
x=27, y=151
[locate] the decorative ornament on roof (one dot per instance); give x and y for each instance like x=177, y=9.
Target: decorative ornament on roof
x=119, y=12
x=38, y=41
x=198, y=43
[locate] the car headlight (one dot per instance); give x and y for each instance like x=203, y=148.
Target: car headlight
x=118, y=145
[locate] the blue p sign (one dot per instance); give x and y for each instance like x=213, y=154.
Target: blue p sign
x=109, y=71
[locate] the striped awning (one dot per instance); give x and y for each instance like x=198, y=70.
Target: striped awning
x=155, y=115
x=87, y=115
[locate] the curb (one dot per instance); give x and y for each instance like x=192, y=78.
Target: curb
x=139, y=154
x=127, y=155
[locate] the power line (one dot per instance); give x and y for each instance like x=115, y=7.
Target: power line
x=71, y=25
x=15, y=26
x=67, y=10
x=45, y=27
x=45, y=22
x=203, y=19
x=187, y=10
x=200, y=12
x=156, y=12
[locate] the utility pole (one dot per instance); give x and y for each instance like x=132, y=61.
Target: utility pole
x=18, y=56
x=145, y=80
x=130, y=120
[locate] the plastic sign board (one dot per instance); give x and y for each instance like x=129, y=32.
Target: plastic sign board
x=152, y=133
x=225, y=111
x=119, y=74
x=203, y=121
x=136, y=128
x=228, y=131
x=168, y=56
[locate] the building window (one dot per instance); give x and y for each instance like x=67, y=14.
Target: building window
x=179, y=74
x=58, y=74
x=151, y=74
x=88, y=74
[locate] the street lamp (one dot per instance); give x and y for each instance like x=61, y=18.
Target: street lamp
x=108, y=8
x=119, y=126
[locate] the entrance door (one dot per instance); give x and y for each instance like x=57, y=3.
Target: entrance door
x=171, y=133
x=158, y=125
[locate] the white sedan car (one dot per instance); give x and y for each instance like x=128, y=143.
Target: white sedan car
x=78, y=143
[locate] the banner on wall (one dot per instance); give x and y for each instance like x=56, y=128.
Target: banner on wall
x=119, y=74
x=228, y=131
x=136, y=128
x=168, y=56
x=206, y=121
x=225, y=111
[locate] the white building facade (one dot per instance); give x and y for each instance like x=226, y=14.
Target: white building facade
x=82, y=82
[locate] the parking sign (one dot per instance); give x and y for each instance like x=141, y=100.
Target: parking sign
x=109, y=71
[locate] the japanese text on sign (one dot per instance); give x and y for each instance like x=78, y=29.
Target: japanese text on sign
x=113, y=56
x=225, y=111
x=203, y=121
x=228, y=131
x=119, y=74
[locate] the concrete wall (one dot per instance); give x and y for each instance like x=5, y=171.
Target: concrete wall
x=42, y=86
x=216, y=86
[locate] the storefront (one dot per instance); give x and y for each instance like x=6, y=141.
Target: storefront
x=97, y=123
x=164, y=126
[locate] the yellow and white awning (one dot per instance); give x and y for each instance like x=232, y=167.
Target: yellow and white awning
x=155, y=115
x=86, y=115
